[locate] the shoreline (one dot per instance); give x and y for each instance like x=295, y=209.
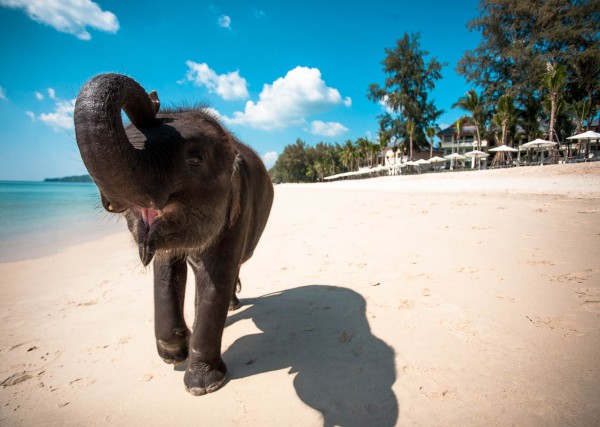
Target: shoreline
x=447, y=307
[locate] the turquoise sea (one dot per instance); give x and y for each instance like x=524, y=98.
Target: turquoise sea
x=42, y=218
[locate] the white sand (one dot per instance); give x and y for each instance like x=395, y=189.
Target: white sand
x=470, y=298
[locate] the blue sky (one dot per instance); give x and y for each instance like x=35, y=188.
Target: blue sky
x=275, y=71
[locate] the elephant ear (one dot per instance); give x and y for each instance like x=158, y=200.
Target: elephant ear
x=155, y=101
x=234, y=195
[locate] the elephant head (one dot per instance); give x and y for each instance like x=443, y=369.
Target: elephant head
x=172, y=174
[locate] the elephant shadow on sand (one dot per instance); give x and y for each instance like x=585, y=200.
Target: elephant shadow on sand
x=322, y=334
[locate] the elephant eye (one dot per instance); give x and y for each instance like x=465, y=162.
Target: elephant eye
x=195, y=159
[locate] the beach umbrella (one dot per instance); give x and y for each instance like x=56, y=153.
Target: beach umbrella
x=455, y=156
x=452, y=157
x=586, y=135
x=436, y=159
x=503, y=154
x=503, y=148
x=476, y=154
x=538, y=143
x=422, y=162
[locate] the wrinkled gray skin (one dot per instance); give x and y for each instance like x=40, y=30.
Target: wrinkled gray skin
x=190, y=193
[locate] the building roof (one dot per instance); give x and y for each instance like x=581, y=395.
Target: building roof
x=467, y=128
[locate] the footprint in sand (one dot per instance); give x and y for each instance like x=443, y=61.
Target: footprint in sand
x=541, y=263
x=506, y=297
x=590, y=299
x=577, y=277
x=406, y=304
x=559, y=325
x=16, y=378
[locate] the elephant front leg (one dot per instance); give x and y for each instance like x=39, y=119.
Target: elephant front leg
x=215, y=285
x=172, y=334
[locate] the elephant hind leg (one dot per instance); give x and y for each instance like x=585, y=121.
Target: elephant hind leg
x=234, y=304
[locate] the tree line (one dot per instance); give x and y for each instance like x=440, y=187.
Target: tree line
x=301, y=162
x=534, y=73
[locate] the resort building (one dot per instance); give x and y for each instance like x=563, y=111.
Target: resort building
x=452, y=142
x=394, y=155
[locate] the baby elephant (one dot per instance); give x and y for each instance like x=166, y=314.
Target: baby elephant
x=191, y=192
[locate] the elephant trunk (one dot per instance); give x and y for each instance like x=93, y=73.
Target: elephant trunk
x=113, y=162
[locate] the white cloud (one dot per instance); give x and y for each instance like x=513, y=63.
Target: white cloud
x=39, y=96
x=269, y=159
x=67, y=16
x=2, y=93
x=62, y=116
x=331, y=129
x=30, y=115
x=224, y=21
x=228, y=86
x=51, y=93
x=288, y=101
x=384, y=103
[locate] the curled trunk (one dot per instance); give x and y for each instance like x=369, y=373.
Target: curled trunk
x=114, y=164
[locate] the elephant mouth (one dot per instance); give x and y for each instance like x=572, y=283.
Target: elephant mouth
x=146, y=233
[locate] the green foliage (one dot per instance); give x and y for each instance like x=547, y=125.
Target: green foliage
x=406, y=90
x=519, y=37
x=505, y=117
x=472, y=103
x=300, y=162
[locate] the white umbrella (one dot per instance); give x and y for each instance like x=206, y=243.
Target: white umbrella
x=411, y=163
x=455, y=156
x=452, y=157
x=436, y=159
x=476, y=154
x=422, y=162
x=504, y=148
x=586, y=135
x=538, y=143
x=503, y=154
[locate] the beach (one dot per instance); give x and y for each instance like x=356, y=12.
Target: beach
x=468, y=298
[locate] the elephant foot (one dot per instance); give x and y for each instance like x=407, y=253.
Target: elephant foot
x=234, y=304
x=201, y=378
x=174, y=351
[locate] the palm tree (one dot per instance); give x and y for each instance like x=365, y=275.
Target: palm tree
x=410, y=130
x=505, y=116
x=363, y=148
x=581, y=111
x=347, y=155
x=554, y=80
x=458, y=125
x=384, y=140
x=472, y=103
x=373, y=150
x=430, y=131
